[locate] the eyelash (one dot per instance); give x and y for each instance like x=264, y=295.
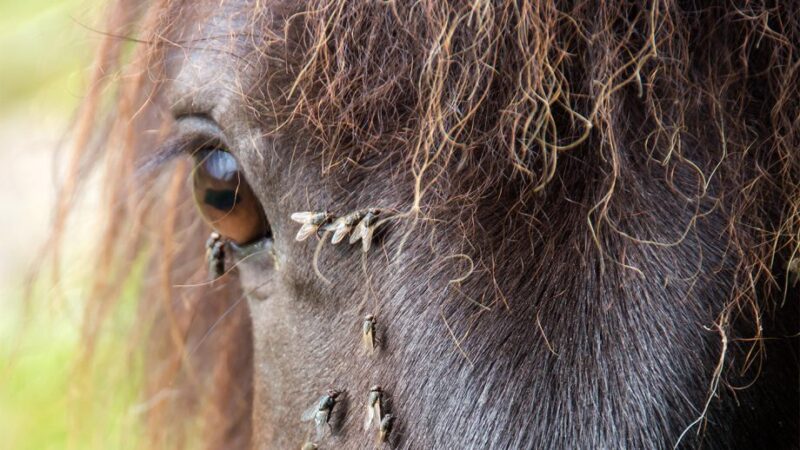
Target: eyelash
x=175, y=147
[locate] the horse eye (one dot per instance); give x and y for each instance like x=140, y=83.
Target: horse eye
x=225, y=200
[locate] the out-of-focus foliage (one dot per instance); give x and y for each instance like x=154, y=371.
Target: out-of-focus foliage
x=44, y=46
x=50, y=396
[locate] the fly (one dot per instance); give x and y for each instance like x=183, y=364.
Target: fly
x=215, y=256
x=312, y=221
x=320, y=413
x=342, y=226
x=374, y=405
x=365, y=229
x=368, y=333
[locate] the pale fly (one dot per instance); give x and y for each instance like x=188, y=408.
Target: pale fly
x=312, y=221
x=385, y=431
x=365, y=229
x=374, y=406
x=309, y=446
x=320, y=413
x=215, y=256
x=368, y=333
x=342, y=226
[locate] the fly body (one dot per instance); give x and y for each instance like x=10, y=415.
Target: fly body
x=215, y=256
x=320, y=413
x=374, y=406
x=311, y=222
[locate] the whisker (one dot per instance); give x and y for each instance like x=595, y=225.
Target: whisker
x=222, y=317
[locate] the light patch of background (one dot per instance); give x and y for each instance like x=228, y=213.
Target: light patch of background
x=47, y=399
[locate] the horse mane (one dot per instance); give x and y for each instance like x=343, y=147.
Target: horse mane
x=461, y=102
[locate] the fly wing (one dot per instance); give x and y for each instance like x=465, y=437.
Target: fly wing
x=359, y=231
x=369, y=341
x=373, y=414
x=305, y=231
x=340, y=233
x=381, y=438
x=308, y=415
x=385, y=429
x=320, y=423
x=369, y=418
x=366, y=238
x=304, y=217
x=311, y=412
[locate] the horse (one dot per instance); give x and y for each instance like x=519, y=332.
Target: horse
x=505, y=224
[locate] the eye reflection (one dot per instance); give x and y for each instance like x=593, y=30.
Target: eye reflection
x=225, y=200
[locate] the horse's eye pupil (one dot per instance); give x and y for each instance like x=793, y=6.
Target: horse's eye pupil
x=224, y=198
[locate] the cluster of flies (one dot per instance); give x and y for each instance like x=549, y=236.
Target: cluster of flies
x=320, y=412
x=360, y=225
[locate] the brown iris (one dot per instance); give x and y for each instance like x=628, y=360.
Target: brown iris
x=224, y=198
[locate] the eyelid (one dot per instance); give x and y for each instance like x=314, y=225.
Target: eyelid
x=192, y=133
x=199, y=132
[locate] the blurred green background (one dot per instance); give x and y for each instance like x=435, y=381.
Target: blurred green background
x=48, y=399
